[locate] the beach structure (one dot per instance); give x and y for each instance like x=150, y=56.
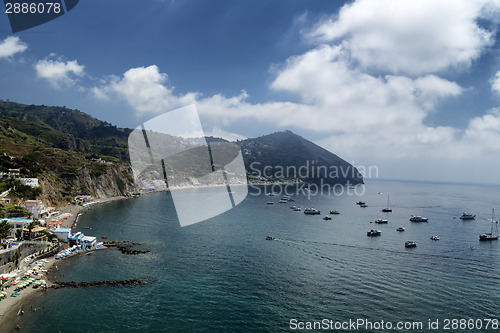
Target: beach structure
x=63, y=234
x=88, y=242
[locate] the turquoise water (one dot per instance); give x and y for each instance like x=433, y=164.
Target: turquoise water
x=221, y=275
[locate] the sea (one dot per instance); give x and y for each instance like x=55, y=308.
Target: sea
x=222, y=275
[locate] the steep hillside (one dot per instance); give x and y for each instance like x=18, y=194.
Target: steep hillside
x=288, y=155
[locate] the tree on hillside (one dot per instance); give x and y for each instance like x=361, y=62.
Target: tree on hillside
x=4, y=229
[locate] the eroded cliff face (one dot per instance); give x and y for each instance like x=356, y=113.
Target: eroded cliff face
x=99, y=181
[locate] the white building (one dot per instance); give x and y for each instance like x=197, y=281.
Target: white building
x=35, y=207
x=33, y=182
x=88, y=242
x=62, y=234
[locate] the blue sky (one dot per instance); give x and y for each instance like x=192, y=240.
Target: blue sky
x=408, y=86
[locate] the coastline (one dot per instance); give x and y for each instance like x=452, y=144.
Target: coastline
x=10, y=306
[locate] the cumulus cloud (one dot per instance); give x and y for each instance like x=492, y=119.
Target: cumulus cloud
x=368, y=84
x=59, y=73
x=409, y=37
x=145, y=89
x=11, y=46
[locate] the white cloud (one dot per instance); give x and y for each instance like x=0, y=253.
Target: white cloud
x=59, y=73
x=145, y=90
x=12, y=45
x=368, y=86
x=410, y=37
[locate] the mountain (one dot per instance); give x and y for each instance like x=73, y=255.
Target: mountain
x=287, y=155
x=73, y=153
x=67, y=129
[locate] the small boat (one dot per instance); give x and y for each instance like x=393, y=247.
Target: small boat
x=400, y=228
x=269, y=238
x=312, y=211
x=293, y=207
x=491, y=235
x=326, y=218
x=360, y=203
x=410, y=244
x=363, y=205
x=291, y=200
x=271, y=194
x=286, y=197
x=283, y=201
x=104, y=237
x=434, y=237
x=387, y=209
x=381, y=221
x=374, y=232
x=334, y=212
x=418, y=218
x=270, y=203
x=467, y=216
x=297, y=209
x=86, y=227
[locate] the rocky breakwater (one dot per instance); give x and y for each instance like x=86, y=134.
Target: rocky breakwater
x=83, y=284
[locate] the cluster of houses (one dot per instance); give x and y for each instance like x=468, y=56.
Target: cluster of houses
x=48, y=220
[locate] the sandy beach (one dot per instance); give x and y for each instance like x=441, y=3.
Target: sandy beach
x=11, y=306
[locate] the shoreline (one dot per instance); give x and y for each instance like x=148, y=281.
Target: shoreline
x=10, y=306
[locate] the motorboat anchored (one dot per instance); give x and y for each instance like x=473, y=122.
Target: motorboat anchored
x=269, y=238
x=400, y=228
x=467, y=216
x=435, y=237
x=326, y=218
x=312, y=211
x=381, y=221
x=491, y=235
x=374, y=232
x=410, y=244
x=418, y=218
x=334, y=212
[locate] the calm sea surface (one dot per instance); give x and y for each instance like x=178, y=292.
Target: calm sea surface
x=221, y=275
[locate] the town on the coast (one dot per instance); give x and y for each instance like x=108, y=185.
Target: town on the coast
x=33, y=235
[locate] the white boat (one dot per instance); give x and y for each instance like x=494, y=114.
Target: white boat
x=374, y=232
x=381, y=221
x=491, y=235
x=410, y=244
x=418, y=218
x=283, y=201
x=400, y=228
x=467, y=216
x=297, y=209
x=434, y=237
x=334, y=212
x=312, y=211
x=387, y=209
